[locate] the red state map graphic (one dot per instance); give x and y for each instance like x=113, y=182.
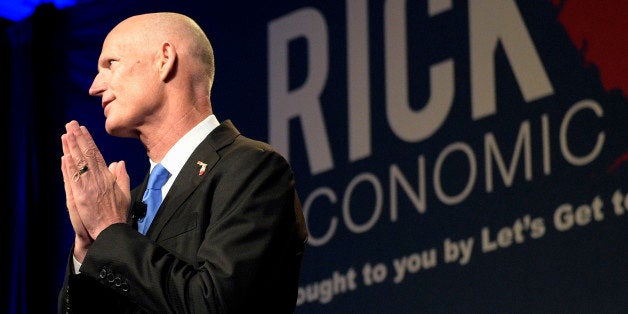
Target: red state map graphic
x=599, y=29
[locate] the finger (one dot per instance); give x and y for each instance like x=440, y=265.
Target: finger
x=66, y=176
x=69, y=178
x=69, y=168
x=85, y=145
x=66, y=153
x=71, y=171
x=79, y=153
x=69, y=196
x=73, y=148
x=121, y=188
x=64, y=144
x=124, y=181
x=75, y=218
x=91, y=149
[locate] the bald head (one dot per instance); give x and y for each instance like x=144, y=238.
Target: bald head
x=152, y=29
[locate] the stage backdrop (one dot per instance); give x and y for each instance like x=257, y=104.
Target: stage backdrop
x=450, y=156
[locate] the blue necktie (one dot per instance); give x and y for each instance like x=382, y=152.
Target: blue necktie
x=152, y=196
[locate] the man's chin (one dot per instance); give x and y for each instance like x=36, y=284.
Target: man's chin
x=118, y=131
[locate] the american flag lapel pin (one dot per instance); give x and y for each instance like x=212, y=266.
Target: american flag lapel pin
x=203, y=167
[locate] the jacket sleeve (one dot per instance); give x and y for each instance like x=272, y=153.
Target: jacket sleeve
x=80, y=293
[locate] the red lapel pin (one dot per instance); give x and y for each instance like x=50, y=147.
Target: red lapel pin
x=203, y=167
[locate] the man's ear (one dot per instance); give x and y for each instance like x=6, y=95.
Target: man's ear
x=167, y=61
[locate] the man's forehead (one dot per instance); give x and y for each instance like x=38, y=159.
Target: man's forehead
x=122, y=37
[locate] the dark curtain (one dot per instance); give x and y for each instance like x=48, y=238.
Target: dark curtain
x=51, y=62
x=35, y=224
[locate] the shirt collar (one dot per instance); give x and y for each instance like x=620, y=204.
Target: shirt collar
x=176, y=157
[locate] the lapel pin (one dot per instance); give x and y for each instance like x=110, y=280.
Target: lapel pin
x=203, y=167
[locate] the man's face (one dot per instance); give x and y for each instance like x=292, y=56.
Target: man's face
x=127, y=81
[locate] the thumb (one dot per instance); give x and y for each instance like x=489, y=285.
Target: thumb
x=121, y=175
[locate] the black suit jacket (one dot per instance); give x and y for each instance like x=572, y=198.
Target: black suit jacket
x=230, y=240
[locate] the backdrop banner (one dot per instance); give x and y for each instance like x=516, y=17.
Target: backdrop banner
x=455, y=156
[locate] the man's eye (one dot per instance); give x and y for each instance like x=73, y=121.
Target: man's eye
x=111, y=61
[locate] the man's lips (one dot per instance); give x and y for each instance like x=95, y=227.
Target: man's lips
x=106, y=102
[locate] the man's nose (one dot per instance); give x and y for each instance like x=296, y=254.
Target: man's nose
x=98, y=86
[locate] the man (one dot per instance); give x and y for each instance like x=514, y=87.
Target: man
x=228, y=236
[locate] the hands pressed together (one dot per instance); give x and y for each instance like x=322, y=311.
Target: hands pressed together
x=97, y=195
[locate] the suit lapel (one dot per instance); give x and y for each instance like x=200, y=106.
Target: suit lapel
x=191, y=175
